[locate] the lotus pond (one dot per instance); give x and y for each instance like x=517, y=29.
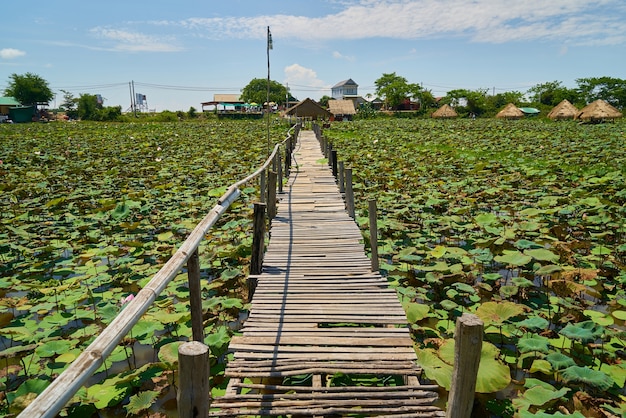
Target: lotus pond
x=522, y=223
x=89, y=213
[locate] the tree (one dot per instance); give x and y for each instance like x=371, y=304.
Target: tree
x=88, y=107
x=323, y=101
x=613, y=90
x=256, y=91
x=468, y=101
x=552, y=93
x=29, y=89
x=69, y=104
x=395, y=89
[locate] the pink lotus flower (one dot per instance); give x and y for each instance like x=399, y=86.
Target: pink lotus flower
x=127, y=299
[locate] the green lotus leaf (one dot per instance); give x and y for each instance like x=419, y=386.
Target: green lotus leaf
x=534, y=323
x=141, y=401
x=617, y=372
x=595, y=378
x=415, y=312
x=168, y=353
x=560, y=361
x=449, y=305
x=54, y=347
x=509, y=291
x=496, y=313
x=600, y=250
x=541, y=366
x=493, y=375
x=533, y=343
x=621, y=315
x=522, y=282
x=106, y=394
x=486, y=219
x=147, y=328
x=585, y=332
x=548, y=269
x=524, y=244
x=434, y=367
x=490, y=277
x=599, y=318
x=542, y=254
x=217, y=339
x=513, y=258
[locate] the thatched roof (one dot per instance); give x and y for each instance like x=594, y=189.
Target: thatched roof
x=445, y=111
x=598, y=111
x=341, y=107
x=309, y=109
x=564, y=110
x=510, y=111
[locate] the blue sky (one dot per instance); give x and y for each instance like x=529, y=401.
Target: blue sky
x=180, y=54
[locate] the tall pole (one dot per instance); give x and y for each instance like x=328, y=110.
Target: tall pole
x=269, y=46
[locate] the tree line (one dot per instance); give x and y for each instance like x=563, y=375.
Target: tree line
x=394, y=90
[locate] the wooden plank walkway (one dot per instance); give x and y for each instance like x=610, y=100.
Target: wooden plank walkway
x=318, y=312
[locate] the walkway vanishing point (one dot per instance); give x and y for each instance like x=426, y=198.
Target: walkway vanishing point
x=321, y=323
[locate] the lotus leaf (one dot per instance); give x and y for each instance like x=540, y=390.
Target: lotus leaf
x=541, y=366
x=54, y=347
x=539, y=396
x=542, y=254
x=493, y=375
x=415, y=312
x=559, y=360
x=496, y=313
x=599, y=318
x=595, y=378
x=548, y=269
x=533, y=343
x=621, y=315
x=141, y=401
x=534, y=323
x=585, y=332
x=513, y=258
x=542, y=414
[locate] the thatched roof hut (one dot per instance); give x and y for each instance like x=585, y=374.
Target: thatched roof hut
x=510, y=111
x=342, y=109
x=444, y=112
x=308, y=108
x=564, y=110
x=598, y=111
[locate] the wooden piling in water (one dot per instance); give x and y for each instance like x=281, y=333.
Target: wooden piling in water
x=193, y=380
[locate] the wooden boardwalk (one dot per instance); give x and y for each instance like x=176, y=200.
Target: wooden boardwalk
x=321, y=323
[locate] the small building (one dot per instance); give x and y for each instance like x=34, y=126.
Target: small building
x=510, y=111
x=224, y=103
x=562, y=111
x=598, y=111
x=341, y=109
x=308, y=108
x=6, y=103
x=444, y=112
x=346, y=89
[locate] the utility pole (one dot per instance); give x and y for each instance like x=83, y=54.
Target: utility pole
x=269, y=46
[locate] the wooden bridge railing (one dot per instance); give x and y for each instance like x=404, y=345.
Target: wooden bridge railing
x=61, y=390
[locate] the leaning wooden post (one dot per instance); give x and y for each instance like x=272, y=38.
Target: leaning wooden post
x=468, y=341
x=258, y=246
x=349, y=193
x=193, y=380
x=195, y=296
x=334, y=162
x=340, y=180
x=373, y=234
x=271, y=195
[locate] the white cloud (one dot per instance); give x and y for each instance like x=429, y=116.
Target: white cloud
x=11, y=53
x=339, y=55
x=305, y=81
x=489, y=21
x=134, y=41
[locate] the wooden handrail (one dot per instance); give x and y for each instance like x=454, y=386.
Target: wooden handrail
x=60, y=391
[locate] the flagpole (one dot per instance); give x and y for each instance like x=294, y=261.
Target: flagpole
x=269, y=46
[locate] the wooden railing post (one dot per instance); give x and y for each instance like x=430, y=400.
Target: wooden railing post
x=334, y=162
x=271, y=195
x=373, y=234
x=468, y=341
x=258, y=246
x=193, y=380
x=349, y=193
x=279, y=174
x=195, y=296
x=340, y=180
x=262, y=181
x=288, y=151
